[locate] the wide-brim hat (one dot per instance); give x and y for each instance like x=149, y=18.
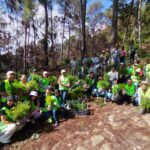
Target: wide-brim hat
x=144, y=82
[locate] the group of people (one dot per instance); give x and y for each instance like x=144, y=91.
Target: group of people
x=125, y=82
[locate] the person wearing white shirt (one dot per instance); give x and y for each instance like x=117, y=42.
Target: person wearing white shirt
x=113, y=74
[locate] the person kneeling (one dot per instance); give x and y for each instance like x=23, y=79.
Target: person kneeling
x=7, y=126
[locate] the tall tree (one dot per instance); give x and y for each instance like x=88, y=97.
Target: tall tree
x=114, y=22
x=83, y=4
x=128, y=21
x=45, y=4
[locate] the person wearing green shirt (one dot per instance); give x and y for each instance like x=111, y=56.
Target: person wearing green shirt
x=90, y=83
x=99, y=91
x=7, y=127
x=129, y=91
x=35, y=106
x=51, y=107
x=64, y=85
x=129, y=70
x=6, y=87
x=44, y=82
x=143, y=96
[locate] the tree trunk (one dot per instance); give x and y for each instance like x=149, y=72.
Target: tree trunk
x=25, y=51
x=83, y=20
x=127, y=27
x=69, y=47
x=46, y=34
x=114, y=22
x=53, y=62
x=63, y=32
x=139, y=22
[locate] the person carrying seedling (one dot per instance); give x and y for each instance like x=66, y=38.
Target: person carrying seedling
x=44, y=82
x=6, y=87
x=52, y=105
x=90, y=83
x=7, y=126
x=34, y=76
x=99, y=91
x=62, y=110
x=35, y=106
x=64, y=85
x=116, y=92
x=142, y=97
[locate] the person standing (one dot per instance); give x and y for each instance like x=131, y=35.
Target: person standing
x=74, y=66
x=6, y=86
x=122, y=55
x=64, y=85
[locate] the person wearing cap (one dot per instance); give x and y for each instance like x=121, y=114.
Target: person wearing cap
x=143, y=92
x=6, y=86
x=7, y=127
x=74, y=66
x=34, y=76
x=64, y=85
x=44, y=82
x=52, y=104
x=35, y=106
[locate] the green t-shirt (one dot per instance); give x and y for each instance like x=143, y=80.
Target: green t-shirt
x=130, y=90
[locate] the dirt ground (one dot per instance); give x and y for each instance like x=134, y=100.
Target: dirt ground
x=112, y=127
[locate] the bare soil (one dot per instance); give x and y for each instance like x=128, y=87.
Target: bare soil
x=112, y=127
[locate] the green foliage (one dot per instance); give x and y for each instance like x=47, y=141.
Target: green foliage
x=32, y=85
x=72, y=79
x=76, y=93
x=106, y=77
x=19, y=90
x=104, y=84
x=21, y=110
x=78, y=105
x=52, y=79
x=145, y=103
x=66, y=61
x=100, y=102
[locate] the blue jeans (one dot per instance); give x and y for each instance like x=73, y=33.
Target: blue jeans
x=63, y=94
x=52, y=113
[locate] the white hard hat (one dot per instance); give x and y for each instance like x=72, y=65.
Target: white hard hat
x=62, y=71
x=34, y=93
x=10, y=72
x=45, y=72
